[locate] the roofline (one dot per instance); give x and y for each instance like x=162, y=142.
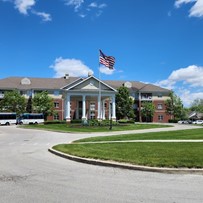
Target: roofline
x=71, y=83
x=95, y=79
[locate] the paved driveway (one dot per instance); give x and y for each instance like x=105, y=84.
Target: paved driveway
x=29, y=173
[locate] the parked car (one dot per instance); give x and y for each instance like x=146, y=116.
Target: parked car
x=189, y=122
x=183, y=122
x=198, y=122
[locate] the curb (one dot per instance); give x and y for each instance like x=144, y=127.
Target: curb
x=127, y=166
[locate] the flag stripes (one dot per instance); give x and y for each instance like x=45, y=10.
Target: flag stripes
x=107, y=61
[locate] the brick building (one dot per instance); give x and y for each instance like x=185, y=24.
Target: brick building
x=89, y=98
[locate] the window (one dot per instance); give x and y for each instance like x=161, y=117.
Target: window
x=159, y=95
x=135, y=106
x=92, y=115
x=56, y=104
x=160, y=117
x=160, y=106
x=92, y=106
x=56, y=116
x=29, y=93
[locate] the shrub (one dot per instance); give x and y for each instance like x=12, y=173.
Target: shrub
x=173, y=120
x=55, y=122
x=76, y=121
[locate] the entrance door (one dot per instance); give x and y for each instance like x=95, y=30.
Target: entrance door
x=79, y=109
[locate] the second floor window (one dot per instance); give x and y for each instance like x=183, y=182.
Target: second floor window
x=160, y=106
x=56, y=104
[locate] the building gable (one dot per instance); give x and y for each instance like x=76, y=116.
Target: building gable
x=90, y=84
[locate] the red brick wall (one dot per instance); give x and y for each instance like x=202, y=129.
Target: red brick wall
x=160, y=112
x=59, y=110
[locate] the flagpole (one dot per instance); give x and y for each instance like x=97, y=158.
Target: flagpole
x=99, y=103
x=107, y=61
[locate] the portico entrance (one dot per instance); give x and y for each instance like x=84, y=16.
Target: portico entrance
x=86, y=101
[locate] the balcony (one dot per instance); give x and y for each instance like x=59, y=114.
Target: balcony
x=146, y=98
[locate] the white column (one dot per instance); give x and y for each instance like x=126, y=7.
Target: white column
x=83, y=107
x=68, y=108
x=99, y=108
x=113, y=108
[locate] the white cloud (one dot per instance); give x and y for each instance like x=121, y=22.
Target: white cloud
x=24, y=5
x=178, y=3
x=95, y=5
x=192, y=75
x=73, y=67
x=186, y=82
x=105, y=70
x=187, y=96
x=45, y=16
x=75, y=3
x=83, y=9
x=82, y=15
x=196, y=10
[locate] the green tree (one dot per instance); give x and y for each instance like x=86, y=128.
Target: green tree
x=174, y=106
x=29, y=105
x=147, y=110
x=43, y=103
x=13, y=102
x=197, y=105
x=124, y=104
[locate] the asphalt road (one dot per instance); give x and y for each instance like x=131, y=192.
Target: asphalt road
x=29, y=173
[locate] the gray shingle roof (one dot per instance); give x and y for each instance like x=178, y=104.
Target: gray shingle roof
x=36, y=83
x=137, y=86
x=58, y=83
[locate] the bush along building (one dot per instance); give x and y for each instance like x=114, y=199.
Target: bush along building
x=90, y=98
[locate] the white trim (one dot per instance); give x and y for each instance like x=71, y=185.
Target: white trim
x=84, y=80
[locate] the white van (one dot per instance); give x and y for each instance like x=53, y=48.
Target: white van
x=30, y=118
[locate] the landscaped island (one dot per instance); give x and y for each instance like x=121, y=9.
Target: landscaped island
x=184, y=153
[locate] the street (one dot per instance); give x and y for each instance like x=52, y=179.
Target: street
x=29, y=173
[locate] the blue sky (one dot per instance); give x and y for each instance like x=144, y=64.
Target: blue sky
x=159, y=41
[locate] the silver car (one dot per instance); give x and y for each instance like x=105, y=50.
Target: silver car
x=198, y=122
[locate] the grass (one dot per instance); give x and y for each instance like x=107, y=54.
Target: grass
x=189, y=155
x=80, y=128
x=193, y=134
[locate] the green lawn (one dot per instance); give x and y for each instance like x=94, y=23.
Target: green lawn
x=189, y=155
x=176, y=155
x=80, y=128
x=193, y=134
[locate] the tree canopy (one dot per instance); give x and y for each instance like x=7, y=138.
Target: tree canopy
x=43, y=103
x=147, y=110
x=174, y=106
x=197, y=105
x=13, y=102
x=124, y=104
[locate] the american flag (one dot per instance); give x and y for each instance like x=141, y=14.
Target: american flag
x=108, y=61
